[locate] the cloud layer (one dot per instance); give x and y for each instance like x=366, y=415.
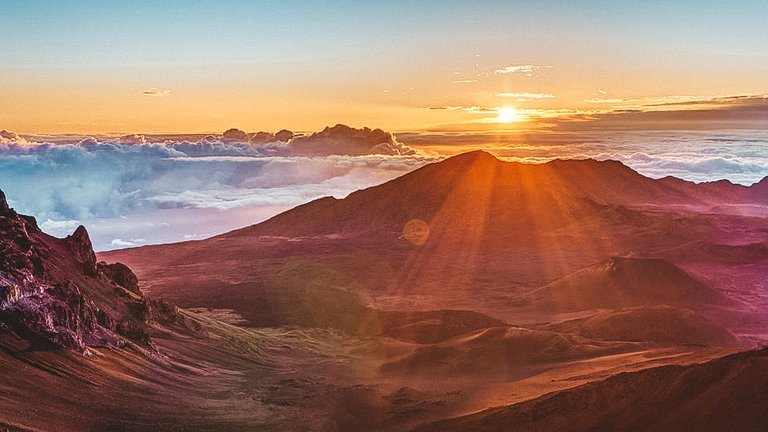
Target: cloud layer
x=740, y=156
x=117, y=179
x=135, y=189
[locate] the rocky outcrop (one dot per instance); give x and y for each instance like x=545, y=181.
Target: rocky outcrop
x=4, y=208
x=120, y=275
x=81, y=246
x=53, y=292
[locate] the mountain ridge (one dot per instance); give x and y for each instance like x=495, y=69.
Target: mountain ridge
x=423, y=192
x=55, y=292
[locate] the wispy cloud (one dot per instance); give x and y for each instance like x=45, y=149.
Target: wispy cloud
x=655, y=100
x=607, y=100
x=120, y=243
x=156, y=92
x=672, y=113
x=698, y=155
x=527, y=69
x=469, y=109
x=465, y=81
x=525, y=97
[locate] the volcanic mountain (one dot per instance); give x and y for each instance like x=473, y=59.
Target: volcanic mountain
x=504, y=280
x=485, y=192
x=470, y=232
x=468, y=284
x=621, y=282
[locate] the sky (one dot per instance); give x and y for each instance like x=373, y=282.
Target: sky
x=112, y=114
x=204, y=66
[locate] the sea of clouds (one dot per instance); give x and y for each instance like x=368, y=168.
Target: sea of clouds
x=132, y=191
x=137, y=190
x=740, y=156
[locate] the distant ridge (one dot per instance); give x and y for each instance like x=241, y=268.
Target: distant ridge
x=477, y=184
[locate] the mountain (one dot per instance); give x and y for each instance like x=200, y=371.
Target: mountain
x=476, y=188
x=724, y=394
x=620, y=282
x=82, y=348
x=468, y=284
x=470, y=233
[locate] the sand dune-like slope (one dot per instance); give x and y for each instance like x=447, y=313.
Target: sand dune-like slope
x=621, y=282
x=661, y=324
x=725, y=394
x=501, y=352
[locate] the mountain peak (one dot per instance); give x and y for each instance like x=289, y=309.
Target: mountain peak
x=80, y=244
x=4, y=208
x=475, y=156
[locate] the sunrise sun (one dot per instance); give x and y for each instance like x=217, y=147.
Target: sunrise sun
x=507, y=115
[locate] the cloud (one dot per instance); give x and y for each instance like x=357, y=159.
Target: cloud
x=161, y=188
x=156, y=92
x=7, y=137
x=469, y=109
x=675, y=113
x=609, y=100
x=344, y=140
x=525, y=97
x=235, y=135
x=695, y=168
x=526, y=69
x=120, y=243
x=740, y=156
x=59, y=228
x=132, y=139
x=465, y=81
x=131, y=183
x=646, y=101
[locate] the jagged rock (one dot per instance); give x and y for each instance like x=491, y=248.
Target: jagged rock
x=52, y=291
x=121, y=275
x=4, y=208
x=9, y=294
x=163, y=311
x=81, y=246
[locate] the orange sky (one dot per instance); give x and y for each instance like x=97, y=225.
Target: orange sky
x=87, y=67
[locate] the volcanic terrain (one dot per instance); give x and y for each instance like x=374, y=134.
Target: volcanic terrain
x=470, y=294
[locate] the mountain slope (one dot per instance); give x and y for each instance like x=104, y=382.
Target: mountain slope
x=621, y=282
x=660, y=324
x=477, y=188
x=730, y=393
x=470, y=232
